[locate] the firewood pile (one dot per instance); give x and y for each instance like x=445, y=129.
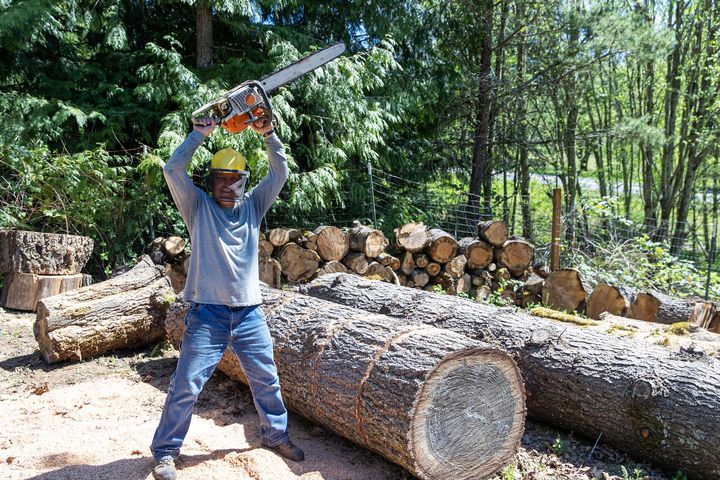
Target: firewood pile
x=432, y=259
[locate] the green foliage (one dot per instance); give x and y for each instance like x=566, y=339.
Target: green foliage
x=636, y=475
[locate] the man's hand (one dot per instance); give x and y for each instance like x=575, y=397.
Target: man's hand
x=204, y=125
x=262, y=125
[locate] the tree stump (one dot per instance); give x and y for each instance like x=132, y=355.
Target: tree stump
x=123, y=312
x=427, y=399
x=43, y=253
x=22, y=291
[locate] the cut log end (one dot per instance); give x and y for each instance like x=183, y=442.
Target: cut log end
x=463, y=414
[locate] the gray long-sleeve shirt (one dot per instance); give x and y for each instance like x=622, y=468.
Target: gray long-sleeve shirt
x=223, y=266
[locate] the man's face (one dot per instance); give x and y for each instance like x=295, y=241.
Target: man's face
x=227, y=188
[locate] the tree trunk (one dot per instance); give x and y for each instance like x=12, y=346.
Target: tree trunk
x=606, y=298
x=123, y=312
x=481, y=162
x=280, y=236
x=331, y=267
x=429, y=400
x=204, y=35
x=43, y=253
x=516, y=255
x=357, y=262
x=649, y=401
x=269, y=271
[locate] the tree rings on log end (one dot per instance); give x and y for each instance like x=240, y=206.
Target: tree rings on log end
x=469, y=417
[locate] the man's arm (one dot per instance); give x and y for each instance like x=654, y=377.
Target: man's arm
x=182, y=189
x=265, y=192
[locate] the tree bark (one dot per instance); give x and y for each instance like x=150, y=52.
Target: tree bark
x=649, y=401
x=123, y=312
x=430, y=400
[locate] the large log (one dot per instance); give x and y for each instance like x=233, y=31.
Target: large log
x=565, y=289
x=367, y=240
x=645, y=399
x=443, y=247
x=43, y=253
x=22, y=291
x=332, y=243
x=431, y=400
x=123, y=312
x=412, y=237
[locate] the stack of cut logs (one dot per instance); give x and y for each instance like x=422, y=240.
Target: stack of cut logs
x=421, y=257
x=39, y=265
x=299, y=255
x=429, y=258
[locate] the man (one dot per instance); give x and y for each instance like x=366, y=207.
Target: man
x=224, y=291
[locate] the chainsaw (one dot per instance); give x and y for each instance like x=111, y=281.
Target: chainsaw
x=249, y=102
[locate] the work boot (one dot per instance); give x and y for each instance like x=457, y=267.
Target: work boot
x=288, y=450
x=164, y=469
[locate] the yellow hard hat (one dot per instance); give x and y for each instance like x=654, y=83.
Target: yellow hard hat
x=228, y=160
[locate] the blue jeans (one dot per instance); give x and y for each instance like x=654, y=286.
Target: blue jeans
x=208, y=331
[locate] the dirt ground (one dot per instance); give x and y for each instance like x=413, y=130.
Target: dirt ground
x=95, y=419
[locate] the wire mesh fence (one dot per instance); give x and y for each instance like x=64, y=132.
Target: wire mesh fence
x=386, y=201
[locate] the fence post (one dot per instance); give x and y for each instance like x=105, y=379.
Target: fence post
x=372, y=193
x=711, y=259
x=555, y=240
